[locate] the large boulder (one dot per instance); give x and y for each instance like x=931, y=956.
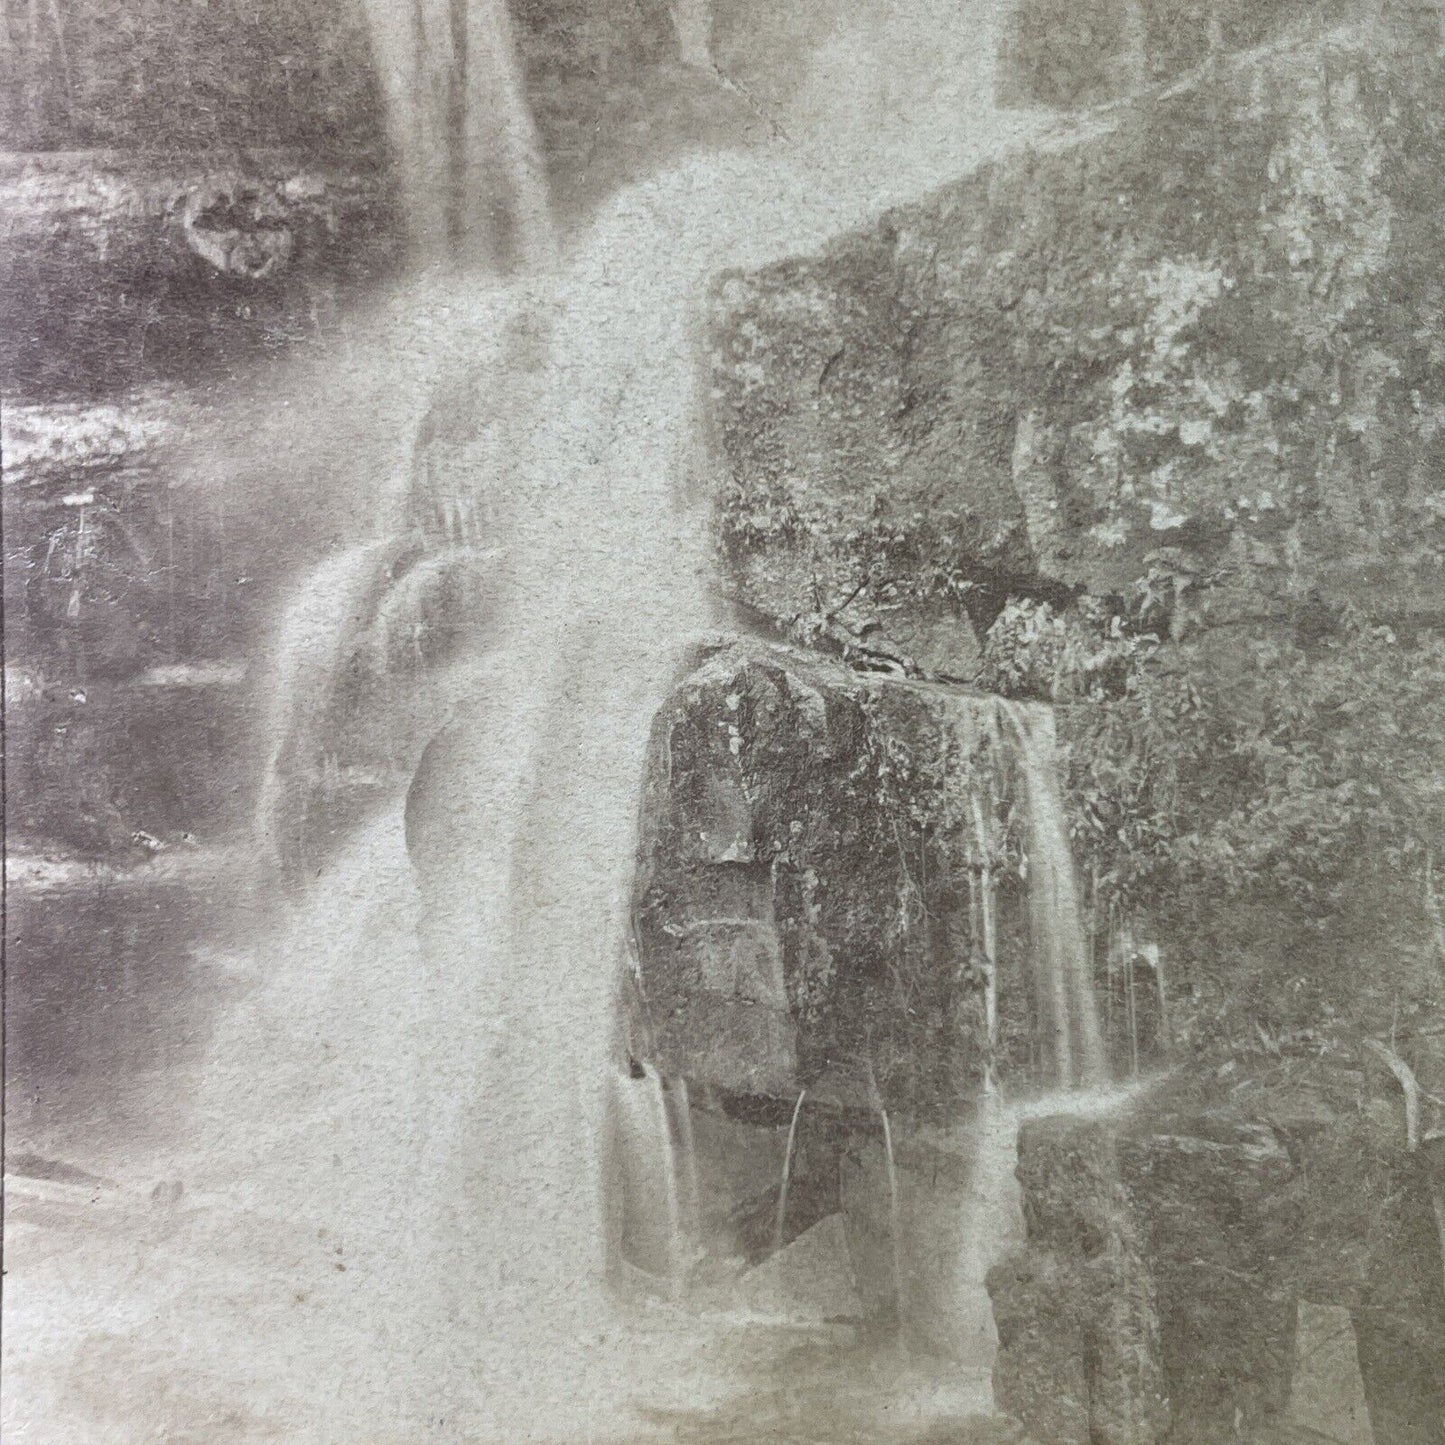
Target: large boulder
x=810, y=907
x=1218, y=1214
x=1212, y=1235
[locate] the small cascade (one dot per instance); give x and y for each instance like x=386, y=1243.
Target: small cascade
x=472, y=179
x=1138, y=996
x=895, y=1213
x=433, y=601
x=654, y=1239
x=779, y=1229
x=1063, y=973
x=689, y=1183
x=319, y=629
x=985, y=899
x=992, y=1220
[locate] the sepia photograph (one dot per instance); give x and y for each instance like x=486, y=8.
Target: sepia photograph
x=723, y=722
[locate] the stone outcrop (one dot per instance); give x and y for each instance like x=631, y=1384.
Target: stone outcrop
x=1198, y=1242
x=1079, y=1357
x=1218, y=1214
x=809, y=910
x=1328, y=1395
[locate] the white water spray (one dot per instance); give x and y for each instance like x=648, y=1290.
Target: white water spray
x=1060, y=954
x=654, y=1242
x=319, y=630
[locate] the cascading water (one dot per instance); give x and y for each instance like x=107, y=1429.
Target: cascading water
x=985, y=904
x=781, y=1223
x=472, y=180
x=654, y=1239
x=1065, y=1009
x=690, y=1184
x=1061, y=962
x=319, y=628
x=587, y=470
x=692, y=20
x=895, y=1210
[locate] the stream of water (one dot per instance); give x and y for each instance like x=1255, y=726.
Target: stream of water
x=1060, y=954
x=597, y=508
x=472, y=178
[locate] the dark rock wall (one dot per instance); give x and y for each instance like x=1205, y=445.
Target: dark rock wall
x=154, y=75
x=1079, y=1357
x=1209, y=325
x=1214, y=1227
x=226, y=75
x=1218, y=1218
x=123, y=270
x=804, y=908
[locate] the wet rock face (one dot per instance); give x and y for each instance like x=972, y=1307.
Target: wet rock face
x=1207, y=1235
x=1079, y=1356
x=803, y=906
x=1056, y=367
x=1219, y=1215
x=122, y=625
x=119, y=270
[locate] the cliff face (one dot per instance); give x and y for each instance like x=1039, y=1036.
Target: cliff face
x=1071, y=55
x=1172, y=1265
x=1210, y=324
x=125, y=269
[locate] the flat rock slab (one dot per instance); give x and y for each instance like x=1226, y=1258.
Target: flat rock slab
x=810, y=1279
x=1328, y=1393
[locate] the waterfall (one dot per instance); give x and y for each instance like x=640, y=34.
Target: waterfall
x=895, y=1211
x=1062, y=969
x=471, y=178
x=577, y=456
x=780, y=1225
x=982, y=893
x=319, y=629
x=653, y=1238
x=685, y=1147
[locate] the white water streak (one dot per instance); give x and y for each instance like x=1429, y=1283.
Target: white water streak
x=781, y=1223
x=1060, y=953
